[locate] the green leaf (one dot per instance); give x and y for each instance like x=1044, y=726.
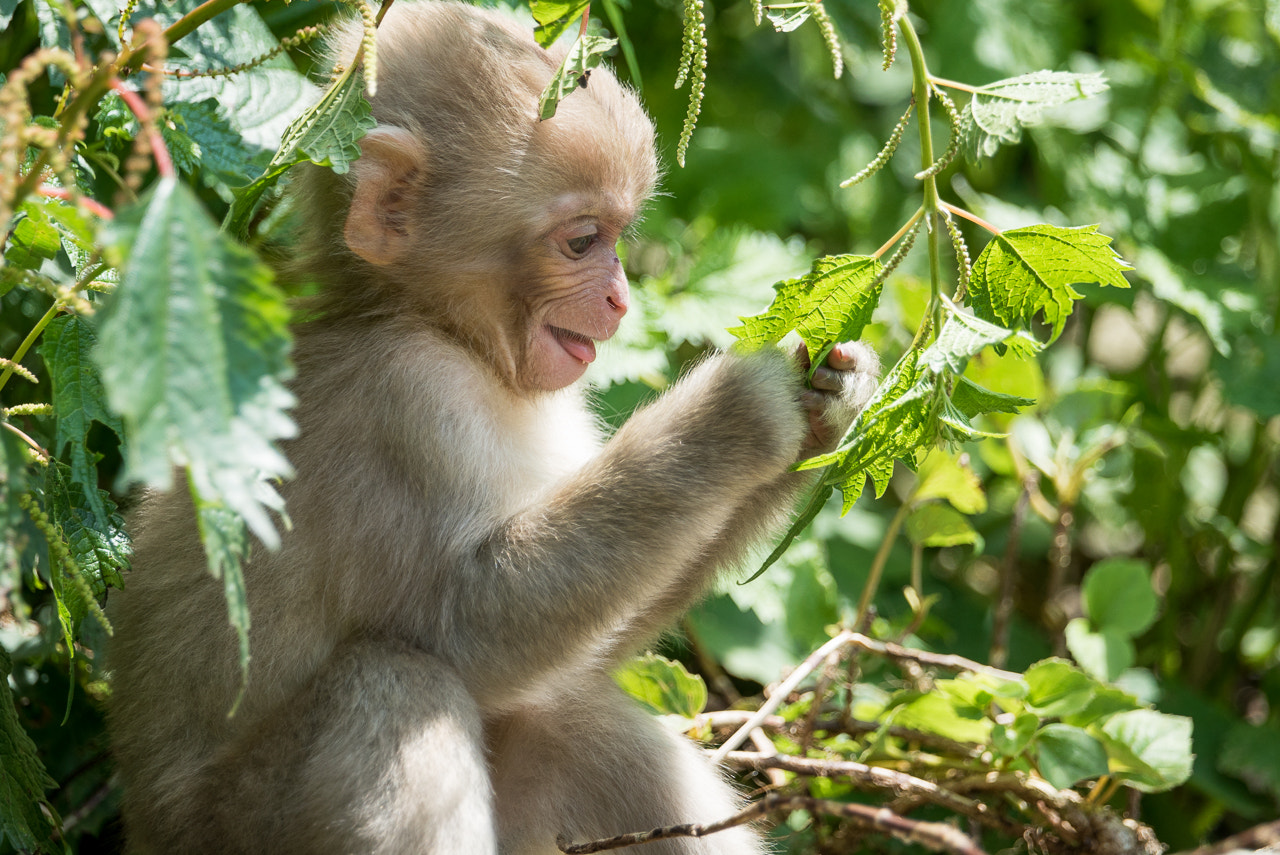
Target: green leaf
x=1118, y=596
x=946, y=713
x=193, y=350
x=1030, y=270
x=833, y=302
x=963, y=336
x=944, y=476
x=23, y=779
x=221, y=155
x=1149, y=750
x=1103, y=653
x=327, y=134
x=574, y=72
x=555, y=17
x=78, y=401
x=1066, y=755
x=937, y=525
x=226, y=547
x=974, y=400
x=1056, y=688
x=34, y=239
x=787, y=20
x=999, y=111
x=664, y=686
x=1012, y=739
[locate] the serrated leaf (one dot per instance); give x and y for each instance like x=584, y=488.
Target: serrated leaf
x=226, y=547
x=327, y=134
x=1066, y=755
x=833, y=302
x=963, y=336
x=574, y=72
x=222, y=155
x=1030, y=270
x=999, y=111
x=78, y=400
x=23, y=779
x=1117, y=595
x=1151, y=751
x=555, y=17
x=974, y=400
x=193, y=351
x=662, y=685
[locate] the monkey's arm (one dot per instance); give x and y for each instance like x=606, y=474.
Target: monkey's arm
x=549, y=582
x=839, y=390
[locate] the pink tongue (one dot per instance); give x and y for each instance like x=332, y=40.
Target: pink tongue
x=583, y=351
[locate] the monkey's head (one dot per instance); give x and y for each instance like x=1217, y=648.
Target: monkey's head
x=466, y=210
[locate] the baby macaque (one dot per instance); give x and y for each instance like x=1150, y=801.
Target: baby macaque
x=469, y=557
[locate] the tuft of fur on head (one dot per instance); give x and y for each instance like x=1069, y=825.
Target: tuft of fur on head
x=467, y=81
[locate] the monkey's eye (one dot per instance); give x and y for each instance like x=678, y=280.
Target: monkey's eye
x=579, y=245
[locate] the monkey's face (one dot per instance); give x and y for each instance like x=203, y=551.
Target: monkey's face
x=575, y=295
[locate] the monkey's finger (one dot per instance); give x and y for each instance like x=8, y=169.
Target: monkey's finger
x=828, y=380
x=843, y=356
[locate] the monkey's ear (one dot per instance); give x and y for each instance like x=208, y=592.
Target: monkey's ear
x=379, y=221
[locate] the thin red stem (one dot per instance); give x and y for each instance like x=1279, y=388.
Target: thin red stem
x=164, y=164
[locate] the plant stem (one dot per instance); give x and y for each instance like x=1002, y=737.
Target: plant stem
x=878, y=563
x=968, y=215
x=920, y=93
x=30, y=340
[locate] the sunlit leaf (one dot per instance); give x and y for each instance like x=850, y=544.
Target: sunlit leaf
x=1104, y=652
x=999, y=111
x=938, y=525
x=1150, y=751
x=832, y=302
x=327, y=134
x=1117, y=595
x=1029, y=271
x=1057, y=688
x=662, y=685
x=555, y=17
x=574, y=72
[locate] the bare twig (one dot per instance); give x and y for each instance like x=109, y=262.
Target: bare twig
x=932, y=835
x=788, y=685
x=1258, y=837
x=877, y=777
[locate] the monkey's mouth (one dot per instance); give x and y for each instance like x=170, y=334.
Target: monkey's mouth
x=577, y=345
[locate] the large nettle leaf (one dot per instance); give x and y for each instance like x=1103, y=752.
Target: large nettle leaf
x=23, y=780
x=999, y=111
x=1030, y=270
x=193, y=351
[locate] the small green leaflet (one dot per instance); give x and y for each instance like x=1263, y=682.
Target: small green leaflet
x=832, y=302
x=328, y=134
x=789, y=19
x=555, y=17
x=964, y=336
x=1030, y=270
x=662, y=685
x=999, y=111
x=586, y=53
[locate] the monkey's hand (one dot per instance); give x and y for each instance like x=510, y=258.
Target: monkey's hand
x=837, y=392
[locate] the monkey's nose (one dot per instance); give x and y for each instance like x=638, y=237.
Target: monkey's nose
x=618, y=303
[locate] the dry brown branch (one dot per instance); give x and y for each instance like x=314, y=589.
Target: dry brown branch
x=1260, y=836
x=878, y=777
x=936, y=836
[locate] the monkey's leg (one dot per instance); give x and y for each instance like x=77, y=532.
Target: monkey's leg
x=382, y=753
x=587, y=763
